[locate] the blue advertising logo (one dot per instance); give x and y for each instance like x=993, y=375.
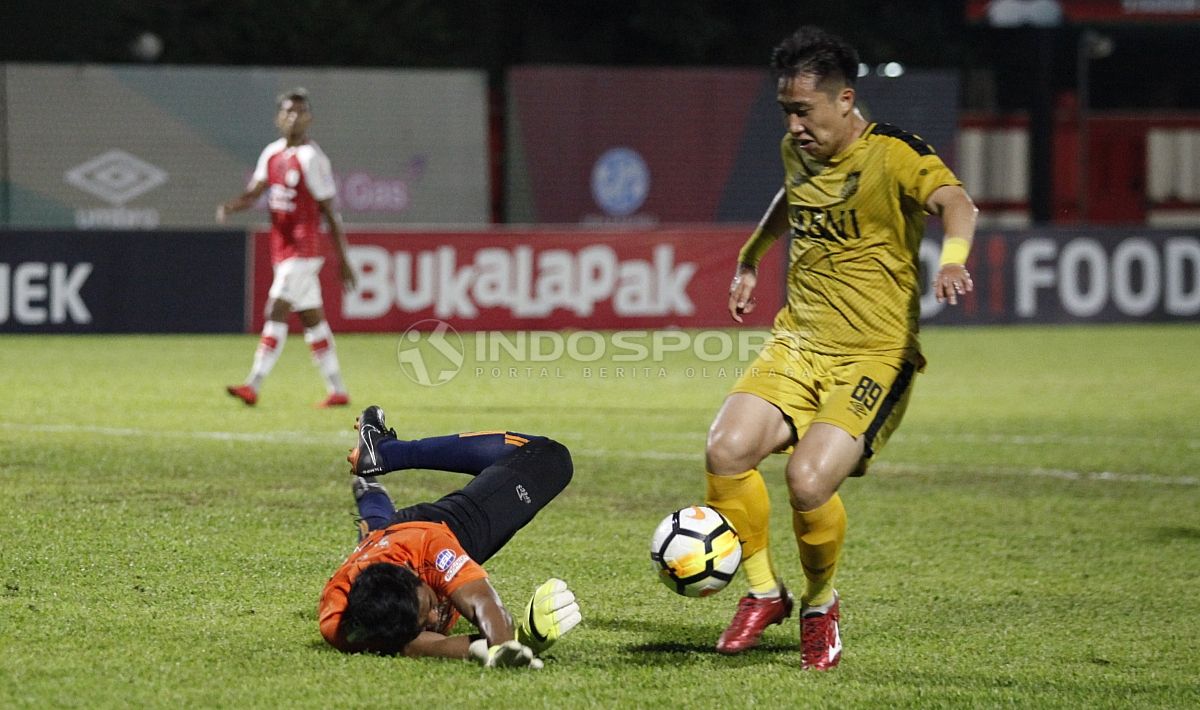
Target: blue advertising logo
x=620, y=181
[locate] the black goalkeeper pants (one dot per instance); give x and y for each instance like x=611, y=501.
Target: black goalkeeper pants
x=502, y=499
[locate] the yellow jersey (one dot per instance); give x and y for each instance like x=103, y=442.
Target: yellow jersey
x=856, y=225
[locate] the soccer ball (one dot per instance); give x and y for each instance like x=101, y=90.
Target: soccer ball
x=695, y=551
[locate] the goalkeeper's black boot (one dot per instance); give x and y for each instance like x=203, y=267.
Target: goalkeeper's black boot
x=364, y=458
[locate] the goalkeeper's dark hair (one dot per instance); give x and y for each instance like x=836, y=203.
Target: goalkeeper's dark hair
x=382, y=609
x=812, y=50
x=294, y=95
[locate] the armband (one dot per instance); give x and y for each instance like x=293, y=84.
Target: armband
x=955, y=251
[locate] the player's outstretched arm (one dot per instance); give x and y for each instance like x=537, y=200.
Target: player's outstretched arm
x=434, y=645
x=773, y=225
x=243, y=201
x=479, y=603
x=510, y=654
x=959, y=214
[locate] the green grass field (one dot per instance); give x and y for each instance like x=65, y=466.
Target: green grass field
x=1030, y=537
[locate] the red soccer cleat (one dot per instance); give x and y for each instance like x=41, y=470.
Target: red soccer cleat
x=820, y=639
x=753, y=616
x=246, y=393
x=337, y=399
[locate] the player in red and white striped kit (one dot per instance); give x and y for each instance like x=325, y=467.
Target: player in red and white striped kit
x=298, y=180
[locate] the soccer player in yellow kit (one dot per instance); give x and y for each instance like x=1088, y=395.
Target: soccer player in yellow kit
x=833, y=382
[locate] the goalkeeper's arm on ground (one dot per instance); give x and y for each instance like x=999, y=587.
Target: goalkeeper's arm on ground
x=495, y=646
x=551, y=613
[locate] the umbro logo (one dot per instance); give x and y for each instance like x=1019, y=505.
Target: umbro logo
x=116, y=177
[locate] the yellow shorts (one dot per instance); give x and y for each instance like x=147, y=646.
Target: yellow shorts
x=862, y=396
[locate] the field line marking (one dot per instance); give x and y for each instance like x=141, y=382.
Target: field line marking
x=291, y=437
x=331, y=438
x=906, y=467
x=1039, y=472
x=1038, y=439
x=1011, y=439
x=1041, y=439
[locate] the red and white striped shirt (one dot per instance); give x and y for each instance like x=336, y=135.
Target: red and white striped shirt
x=298, y=178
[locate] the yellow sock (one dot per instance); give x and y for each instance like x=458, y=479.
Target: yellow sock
x=760, y=574
x=820, y=534
x=743, y=500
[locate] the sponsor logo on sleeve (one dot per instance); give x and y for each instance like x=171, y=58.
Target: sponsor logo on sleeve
x=444, y=559
x=455, y=567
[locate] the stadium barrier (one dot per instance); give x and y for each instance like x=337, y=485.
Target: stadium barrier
x=552, y=279
x=1075, y=276
x=537, y=279
x=125, y=147
x=630, y=278
x=55, y=281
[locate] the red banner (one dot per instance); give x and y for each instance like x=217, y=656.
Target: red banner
x=538, y=279
x=1017, y=12
x=631, y=162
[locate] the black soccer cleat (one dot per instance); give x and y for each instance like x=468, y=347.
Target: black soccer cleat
x=372, y=429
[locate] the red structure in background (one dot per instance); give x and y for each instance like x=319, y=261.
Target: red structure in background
x=1101, y=10
x=1093, y=167
x=1118, y=165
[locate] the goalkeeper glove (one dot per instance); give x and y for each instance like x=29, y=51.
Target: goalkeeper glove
x=551, y=613
x=510, y=654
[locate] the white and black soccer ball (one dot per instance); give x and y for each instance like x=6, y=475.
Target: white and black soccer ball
x=695, y=551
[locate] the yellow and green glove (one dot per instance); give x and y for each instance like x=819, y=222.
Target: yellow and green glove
x=549, y=615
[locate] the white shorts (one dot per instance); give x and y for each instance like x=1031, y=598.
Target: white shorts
x=296, y=283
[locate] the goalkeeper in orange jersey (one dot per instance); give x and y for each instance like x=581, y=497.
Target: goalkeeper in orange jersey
x=833, y=382
x=417, y=569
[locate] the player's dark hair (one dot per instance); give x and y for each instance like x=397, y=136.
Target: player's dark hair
x=812, y=50
x=382, y=609
x=297, y=94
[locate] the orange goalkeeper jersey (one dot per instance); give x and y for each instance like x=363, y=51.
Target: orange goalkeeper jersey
x=430, y=549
